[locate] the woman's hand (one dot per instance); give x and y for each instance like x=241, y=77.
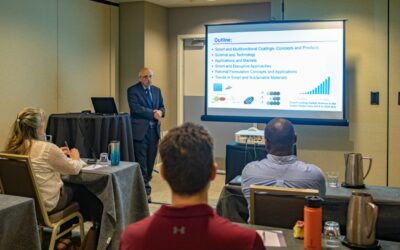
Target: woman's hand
x=71, y=153
x=74, y=154
x=65, y=150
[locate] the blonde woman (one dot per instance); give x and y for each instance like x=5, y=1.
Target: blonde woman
x=48, y=160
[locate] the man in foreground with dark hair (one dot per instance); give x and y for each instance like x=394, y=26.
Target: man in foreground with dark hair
x=188, y=223
x=281, y=168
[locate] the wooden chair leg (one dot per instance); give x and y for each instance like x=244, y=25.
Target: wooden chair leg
x=81, y=227
x=53, y=238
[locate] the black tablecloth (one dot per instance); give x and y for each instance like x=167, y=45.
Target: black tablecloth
x=233, y=206
x=237, y=156
x=18, y=224
x=91, y=133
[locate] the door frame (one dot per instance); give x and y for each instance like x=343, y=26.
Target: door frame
x=180, y=73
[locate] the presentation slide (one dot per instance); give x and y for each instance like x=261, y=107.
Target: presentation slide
x=276, y=69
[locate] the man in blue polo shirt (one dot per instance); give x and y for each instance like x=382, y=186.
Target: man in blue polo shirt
x=281, y=168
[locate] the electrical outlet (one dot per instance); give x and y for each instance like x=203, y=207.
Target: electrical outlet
x=374, y=98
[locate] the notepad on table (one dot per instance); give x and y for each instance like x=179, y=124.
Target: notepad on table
x=272, y=238
x=94, y=166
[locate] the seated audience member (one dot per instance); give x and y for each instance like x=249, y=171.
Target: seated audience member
x=281, y=168
x=49, y=162
x=188, y=223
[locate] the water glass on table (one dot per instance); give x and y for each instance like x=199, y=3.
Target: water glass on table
x=103, y=159
x=331, y=234
x=332, y=179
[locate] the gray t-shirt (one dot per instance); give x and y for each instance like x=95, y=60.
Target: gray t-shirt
x=282, y=171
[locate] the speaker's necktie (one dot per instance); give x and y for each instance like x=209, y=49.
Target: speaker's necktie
x=148, y=93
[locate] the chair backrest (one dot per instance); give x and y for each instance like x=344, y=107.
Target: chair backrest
x=277, y=206
x=17, y=179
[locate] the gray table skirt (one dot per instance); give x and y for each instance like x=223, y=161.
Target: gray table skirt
x=121, y=191
x=18, y=226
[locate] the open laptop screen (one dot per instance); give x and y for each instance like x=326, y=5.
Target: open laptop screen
x=104, y=105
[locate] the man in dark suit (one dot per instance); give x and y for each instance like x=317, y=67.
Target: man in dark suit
x=147, y=110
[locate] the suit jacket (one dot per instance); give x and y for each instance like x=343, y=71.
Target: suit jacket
x=142, y=109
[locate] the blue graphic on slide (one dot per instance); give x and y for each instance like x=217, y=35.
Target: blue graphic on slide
x=323, y=89
x=217, y=86
x=249, y=100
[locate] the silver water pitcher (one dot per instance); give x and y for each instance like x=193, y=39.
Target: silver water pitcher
x=354, y=175
x=361, y=220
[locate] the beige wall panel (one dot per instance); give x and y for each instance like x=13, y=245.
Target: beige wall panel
x=366, y=69
x=156, y=47
x=28, y=61
x=394, y=89
x=131, y=56
x=184, y=21
x=83, y=53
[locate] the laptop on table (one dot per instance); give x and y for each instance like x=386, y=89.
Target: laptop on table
x=104, y=105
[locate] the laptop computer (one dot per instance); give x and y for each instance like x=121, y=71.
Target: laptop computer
x=104, y=105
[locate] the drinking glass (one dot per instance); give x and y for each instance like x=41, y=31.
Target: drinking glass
x=103, y=159
x=333, y=179
x=332, y=234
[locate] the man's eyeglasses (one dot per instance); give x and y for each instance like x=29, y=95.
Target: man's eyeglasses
x=147, y=76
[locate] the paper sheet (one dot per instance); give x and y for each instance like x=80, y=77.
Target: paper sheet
x=93, y=167
x=272, y=238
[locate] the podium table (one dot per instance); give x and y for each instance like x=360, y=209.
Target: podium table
x=91, y=133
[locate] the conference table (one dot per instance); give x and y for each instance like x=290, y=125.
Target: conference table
x=122, y=193
x=233, y=206
x=91, y=133
x=287, y=239
x=18, y=225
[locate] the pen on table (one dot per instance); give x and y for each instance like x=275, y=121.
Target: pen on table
x=66, y=144
x=264, y=235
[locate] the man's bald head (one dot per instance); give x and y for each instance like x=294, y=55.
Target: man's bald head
x=279, y=137
x=146, y=76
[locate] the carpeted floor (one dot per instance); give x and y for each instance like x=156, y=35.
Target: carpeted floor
x=161, y=192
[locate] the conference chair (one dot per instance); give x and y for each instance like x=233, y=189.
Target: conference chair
x=17, y=179
x=277, y=206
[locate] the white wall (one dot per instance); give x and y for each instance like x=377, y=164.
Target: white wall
x=189, y=21
x=366, y=71
x=144, y=43
x=87, y=52
x=28, y=58
x=55, y=55
x=131, y=23
x=394, y=90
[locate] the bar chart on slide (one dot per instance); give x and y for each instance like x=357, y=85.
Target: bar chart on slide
x=322, y=89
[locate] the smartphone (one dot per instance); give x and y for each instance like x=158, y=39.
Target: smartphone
x=91, y=161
